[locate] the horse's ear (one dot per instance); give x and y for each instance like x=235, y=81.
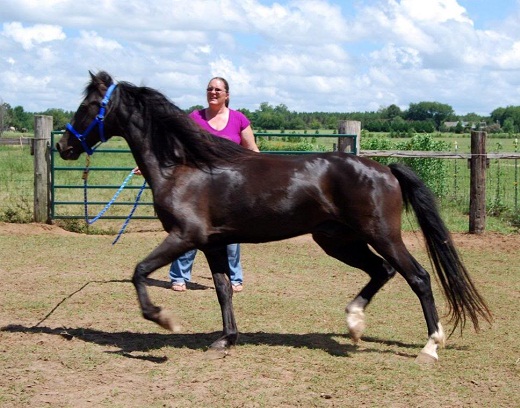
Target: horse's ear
x=92, y=76
x=104, y=78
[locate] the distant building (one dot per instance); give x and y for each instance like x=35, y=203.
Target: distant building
x=466, y=125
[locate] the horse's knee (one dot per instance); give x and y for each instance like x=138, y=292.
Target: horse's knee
x=140, y=274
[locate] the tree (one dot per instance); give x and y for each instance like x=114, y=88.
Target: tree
x=22, y=119
x=3, y=116
x=194, y=107
x=472, y=117
x=391, y=112
x=502, y=114
x=508, y=126
x=268, y=117
x=423, y=111
x=498, y=115
x=60, y=118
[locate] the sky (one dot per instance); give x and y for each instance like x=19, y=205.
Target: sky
x=309, y=55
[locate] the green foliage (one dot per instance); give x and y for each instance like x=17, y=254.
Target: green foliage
x=60, y=118
x=508, y=126
x=378, y=143
x=18, y=213
x=295, y=144
x=81, y=227
x=433, y=171
x=421, y=117
x=509, y=116
x=514, y=219
x=21, y=119
x=425, y=111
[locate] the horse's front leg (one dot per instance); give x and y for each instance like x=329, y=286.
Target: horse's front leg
x=163, y=255
x=218, y=263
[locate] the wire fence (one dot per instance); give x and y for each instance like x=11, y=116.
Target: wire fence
x=16, y=183
x=17, y=186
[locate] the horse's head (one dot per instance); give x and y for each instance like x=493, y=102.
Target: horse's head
x=87, y=127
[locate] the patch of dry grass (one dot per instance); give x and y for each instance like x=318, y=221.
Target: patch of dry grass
x=92, y=348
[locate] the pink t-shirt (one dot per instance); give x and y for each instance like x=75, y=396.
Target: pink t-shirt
x=237, y=122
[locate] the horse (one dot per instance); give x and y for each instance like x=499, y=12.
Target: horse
x=209, y=192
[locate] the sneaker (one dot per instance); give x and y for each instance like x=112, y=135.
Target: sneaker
x=179, y=287
x=237, y=288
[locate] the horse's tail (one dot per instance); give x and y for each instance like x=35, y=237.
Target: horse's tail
x=463, y=298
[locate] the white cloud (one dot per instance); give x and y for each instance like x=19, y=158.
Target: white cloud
x=434, y=12
x=510, y=59
x=307, y=54
x=94, y=40
x=28, y=37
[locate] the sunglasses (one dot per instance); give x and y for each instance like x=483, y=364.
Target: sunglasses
x=218, y=91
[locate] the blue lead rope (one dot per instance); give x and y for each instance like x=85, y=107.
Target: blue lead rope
x=91, y=221
x=131, y=213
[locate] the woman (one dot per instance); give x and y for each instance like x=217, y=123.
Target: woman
x=221, y=121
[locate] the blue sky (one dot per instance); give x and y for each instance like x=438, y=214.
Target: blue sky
x=310, y=55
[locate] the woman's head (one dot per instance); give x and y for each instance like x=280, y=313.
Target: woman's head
x=217, y=91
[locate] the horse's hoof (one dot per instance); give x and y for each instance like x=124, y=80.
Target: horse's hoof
x=356, y=332
x=168, y=322
x=356, y=325
x=216, y=354
x=221, y=344
x=425, y=359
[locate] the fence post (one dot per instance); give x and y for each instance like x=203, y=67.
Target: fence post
x=477, y=190
x=42, y=158
x=349, y=127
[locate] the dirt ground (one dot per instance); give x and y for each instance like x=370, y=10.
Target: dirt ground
x=60, y=346
x=500, y=242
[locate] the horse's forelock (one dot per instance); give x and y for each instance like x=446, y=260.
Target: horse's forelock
x=99, y=82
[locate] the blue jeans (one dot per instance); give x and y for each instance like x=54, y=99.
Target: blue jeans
x=180, y=269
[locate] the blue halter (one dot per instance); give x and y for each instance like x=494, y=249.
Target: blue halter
x=98, y=121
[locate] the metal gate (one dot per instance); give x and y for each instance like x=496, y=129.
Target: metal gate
x=72, y=198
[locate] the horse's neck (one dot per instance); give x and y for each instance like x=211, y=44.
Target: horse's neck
x=148, y=165
x=138, y=138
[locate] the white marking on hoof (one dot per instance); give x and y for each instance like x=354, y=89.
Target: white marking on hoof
x=423, y=358
x=355, y=322
x=428, y=354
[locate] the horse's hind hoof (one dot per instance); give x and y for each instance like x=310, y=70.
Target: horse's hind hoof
x=356, y=325
x=425, y=359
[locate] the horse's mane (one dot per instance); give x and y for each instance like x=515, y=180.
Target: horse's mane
x=176, y=138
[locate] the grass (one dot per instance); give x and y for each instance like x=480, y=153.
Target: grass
x=94, y=349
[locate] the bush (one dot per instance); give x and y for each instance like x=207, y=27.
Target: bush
x=432, y=171
x=21, y=213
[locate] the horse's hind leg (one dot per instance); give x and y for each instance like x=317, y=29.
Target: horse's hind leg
x=358, y=255
x=396, y=253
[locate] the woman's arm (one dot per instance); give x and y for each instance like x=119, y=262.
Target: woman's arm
x=248, y=139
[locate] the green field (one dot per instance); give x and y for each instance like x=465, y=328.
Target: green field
x=16, y=183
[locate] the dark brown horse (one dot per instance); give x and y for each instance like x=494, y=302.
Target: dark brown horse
x=209, y=192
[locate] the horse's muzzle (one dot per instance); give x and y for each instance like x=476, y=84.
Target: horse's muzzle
x=67, y=152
